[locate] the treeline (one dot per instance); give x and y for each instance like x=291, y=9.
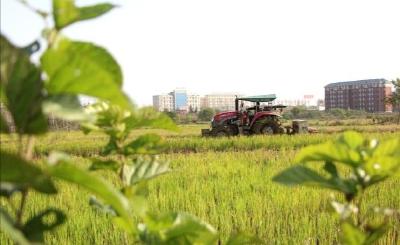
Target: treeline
x=298, y=112
x=204, y=115
x=301, y=112
x=304, y=113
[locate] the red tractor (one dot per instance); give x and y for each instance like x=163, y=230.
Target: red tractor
x=256, y=119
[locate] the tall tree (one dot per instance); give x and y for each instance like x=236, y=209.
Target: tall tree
x=394, y=100
x=206, y=114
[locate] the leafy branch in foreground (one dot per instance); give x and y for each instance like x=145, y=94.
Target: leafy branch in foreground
x=68, y=69
x=351, y=165
x=29, y=91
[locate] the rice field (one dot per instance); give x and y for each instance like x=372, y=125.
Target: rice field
x=224, y=181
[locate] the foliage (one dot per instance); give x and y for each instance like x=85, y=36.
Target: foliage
x=394, y=100
x=21, y=89
x=333, y=114
x=65, y=12
x=369, y=163
x=68, y=69
x=82, y=68
x=295, y=111
x=171, y=114
x=71, y=68
x=206, y=114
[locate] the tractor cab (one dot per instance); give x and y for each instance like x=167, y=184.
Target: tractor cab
x=258, y=112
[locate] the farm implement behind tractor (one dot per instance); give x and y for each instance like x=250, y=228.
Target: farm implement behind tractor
x=257, y=119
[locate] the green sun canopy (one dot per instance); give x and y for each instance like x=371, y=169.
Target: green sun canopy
x=259, y=98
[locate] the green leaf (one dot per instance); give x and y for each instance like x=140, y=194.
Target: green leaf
x=144, y=169
x=8, y=189
x=330, y=152
x=346, y=149
x=351, y=139
x=300, y=175
x=110, y=148
x=176, y=228
x=37, y=225
x=110, y=120
x=145, y=144
x=351, y=235
x=384, y=162
x=98, y=164
x=139, y=205
x=22, y=89
x=331, y=169
x=388, y=148
x=376, y=233
x=63, y=170
x=379, y=168
x=17, y=171
x=138, y=194
x=66, y=107
x=83, y=68
x=8, y=226
x=90, y=12
x=107, y=209
x=65, y=12
x=140, y=189
x=3, y=125
x=243, y=238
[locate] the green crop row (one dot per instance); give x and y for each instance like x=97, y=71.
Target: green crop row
x=232, y=191
x=224, y=181
x=76, y=143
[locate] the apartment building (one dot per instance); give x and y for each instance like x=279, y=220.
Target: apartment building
x=164, y=102
x=222, y=102
x=194, y=102
x=367, y=95
x=177, y=100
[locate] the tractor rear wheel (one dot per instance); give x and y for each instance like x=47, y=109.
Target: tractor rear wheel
x=267, y=129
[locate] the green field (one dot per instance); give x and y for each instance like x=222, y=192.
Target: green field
x=224, y=181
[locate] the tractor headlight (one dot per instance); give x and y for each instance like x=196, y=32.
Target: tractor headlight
x=212, y=123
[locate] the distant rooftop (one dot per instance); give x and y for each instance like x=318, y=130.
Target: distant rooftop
x=259, y=98
x=223, y=94
x=359, y=82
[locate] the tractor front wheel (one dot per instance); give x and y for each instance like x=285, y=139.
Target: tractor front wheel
x=267, y=128
x=219, y=132
x=224, y=131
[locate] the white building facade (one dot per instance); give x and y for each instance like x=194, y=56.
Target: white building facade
x=177, y=100
x=222, y=102
x=164, y=102
x=194, y=102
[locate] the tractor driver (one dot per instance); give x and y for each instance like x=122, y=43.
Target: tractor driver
x=242, y=109
x=257, y=107
x=243, y=114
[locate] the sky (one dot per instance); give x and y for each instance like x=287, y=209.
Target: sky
x=288, y=47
